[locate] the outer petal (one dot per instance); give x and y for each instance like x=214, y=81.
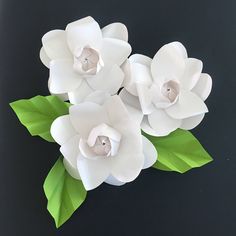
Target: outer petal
x=80, y=93
x=168, y=63
x=62, y=129
x=162, y=123
x=108, y=80
x=192, y=122
x=180, y=48
x=192, y=73
x=129, y=161
x=188, y=105
x=98, y=97
x=150, y=153
x=93, y=172
x=140, y=74
x=113, y=181
x=44, y=57
x=132, y=104
x=84, y=32
x=203, y=87
x=145, y=95
x=70, y=150
x=73, y=171
x=116, y=111
x=141, y=59
x=114, y=51
x=145, y=126
x=55, y=45
x=85, y=116
x=115, y=30
x=63, y=79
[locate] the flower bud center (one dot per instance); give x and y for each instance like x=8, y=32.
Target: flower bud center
x=170, y=90
x=87, y=61
x=102, y=146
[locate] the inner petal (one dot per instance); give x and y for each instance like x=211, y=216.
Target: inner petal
x=102, y=146
x=87, y=61
x=170, y=90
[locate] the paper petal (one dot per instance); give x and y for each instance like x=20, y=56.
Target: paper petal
x=129, y=99
x=145, y=99
x=84, y=32
x=62, y=129
x=168, y=63
x=80, y=93
x=108, y=80
x=188, y=105
x=63, y=78
x=141, y=59
x=113, y=181
x=203, y=87
x=116, y=110
x=162, y=123
x=114, y=51
x=70, y=150
x=115, y=30
x=140, y=74
x=73, y=171
x=86, y=116
x=180, y=48
x=93, y=172
x=192, y=122
x=192, y=73
x=44, y=58
x=103, y=130
x=98, y=97
x=55, y=45
x=150, y=153
x=127, y=164
x=145, y=126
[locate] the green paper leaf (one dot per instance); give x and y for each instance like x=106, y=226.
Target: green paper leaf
x=38, y=113
x=179, y=151
x=64, y=193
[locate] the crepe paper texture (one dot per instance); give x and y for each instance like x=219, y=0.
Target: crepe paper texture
x=180, y=151
x=38, y=113
x=64, y=193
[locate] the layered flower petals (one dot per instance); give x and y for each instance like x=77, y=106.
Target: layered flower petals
x=188, y=105
x=55, y=45
x=62, y=129
x=85, y=116
x=114, y=51
x=115, y=30
x=162, y=123
x=167, y=63
x=170, y=88
x=93, y=172
x=203, y=86
x=108, y=80
x=84, y=32
x=62, y=77
x=150, y=153
x=85, y=52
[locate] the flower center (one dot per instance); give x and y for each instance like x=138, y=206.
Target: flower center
x=170, y=90
x=87, y=61
x=102, y=146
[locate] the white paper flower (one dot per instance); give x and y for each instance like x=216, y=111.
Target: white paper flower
x=169, y=90
x=84, y=58
x=102, y=143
